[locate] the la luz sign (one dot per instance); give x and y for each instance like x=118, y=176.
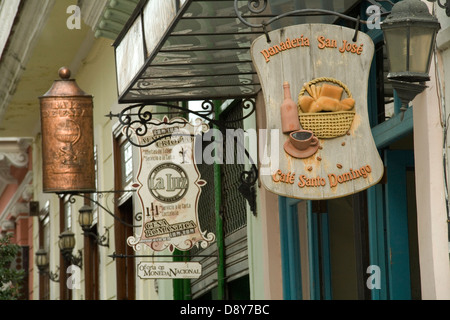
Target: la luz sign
x=314, y=79
x=168, y=186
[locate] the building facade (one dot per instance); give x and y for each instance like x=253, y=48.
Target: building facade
x=387, y=242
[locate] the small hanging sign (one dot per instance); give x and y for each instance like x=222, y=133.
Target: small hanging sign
x=168, y=186
x=314, y=79
x=169, y=270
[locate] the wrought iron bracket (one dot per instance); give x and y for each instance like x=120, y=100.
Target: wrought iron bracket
x=102, y=240
x=445, y=6
x=259, y=6
x=72, y=259
x=135, y=120
x=247, y=188
x=100, y=194
x=53, y=276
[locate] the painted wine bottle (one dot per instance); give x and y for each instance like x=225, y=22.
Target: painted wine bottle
x=289, y=111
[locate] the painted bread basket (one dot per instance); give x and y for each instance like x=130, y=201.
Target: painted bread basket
x=323, y=111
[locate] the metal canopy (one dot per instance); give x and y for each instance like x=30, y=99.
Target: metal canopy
x=174, y=50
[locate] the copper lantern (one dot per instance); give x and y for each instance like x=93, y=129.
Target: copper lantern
x=67, y=138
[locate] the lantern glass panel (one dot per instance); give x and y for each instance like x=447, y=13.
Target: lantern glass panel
x=41, y=259
x=85, y=219
x=397, y=46
x=67, y=241
x=422, y=39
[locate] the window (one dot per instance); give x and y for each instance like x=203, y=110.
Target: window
x=125, y=267
x=67, y=213
x=126, y=151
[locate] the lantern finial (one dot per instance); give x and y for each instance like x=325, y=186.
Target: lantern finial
x=64, y=73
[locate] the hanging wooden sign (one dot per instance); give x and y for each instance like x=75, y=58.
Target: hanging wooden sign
x=314, y=79
x=168, y=186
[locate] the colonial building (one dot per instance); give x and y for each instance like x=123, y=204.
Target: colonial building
x=384, y=238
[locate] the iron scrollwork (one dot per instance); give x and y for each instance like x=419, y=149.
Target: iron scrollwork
x=100, y=194
x=247, y=187
x=137, y=118
x=259, y=6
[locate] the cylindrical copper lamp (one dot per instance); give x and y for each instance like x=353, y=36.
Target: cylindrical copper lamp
x=67, y=138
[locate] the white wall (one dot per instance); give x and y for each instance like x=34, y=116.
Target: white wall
x=429, y=114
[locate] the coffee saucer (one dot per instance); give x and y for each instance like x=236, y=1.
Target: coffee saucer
x=301, y=154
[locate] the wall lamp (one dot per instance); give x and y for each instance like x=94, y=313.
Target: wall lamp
x=42, y=264
x=445, y=6
x=66, y=245
x=85, y=218
x=410, y=33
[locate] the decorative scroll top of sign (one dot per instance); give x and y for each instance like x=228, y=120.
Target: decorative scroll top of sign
x=168, y=185
x=326, y=145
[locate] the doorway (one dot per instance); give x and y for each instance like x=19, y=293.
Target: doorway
x=358, y=247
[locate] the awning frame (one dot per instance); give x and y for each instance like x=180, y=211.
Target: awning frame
x=151, y=84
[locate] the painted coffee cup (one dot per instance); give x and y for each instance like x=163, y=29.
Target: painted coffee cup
x=303, y=139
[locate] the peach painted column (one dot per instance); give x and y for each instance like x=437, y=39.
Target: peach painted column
x=430, y=194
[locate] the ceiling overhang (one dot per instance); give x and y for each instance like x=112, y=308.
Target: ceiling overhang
x=181, y=50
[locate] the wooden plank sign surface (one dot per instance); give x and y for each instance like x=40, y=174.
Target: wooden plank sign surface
x=326, y=148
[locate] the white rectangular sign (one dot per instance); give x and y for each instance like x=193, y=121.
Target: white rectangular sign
x=169, y=270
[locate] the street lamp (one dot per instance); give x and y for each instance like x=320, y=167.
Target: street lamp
x=42, y=264
x=410, y=34
x=41, y=260
x=85, y=219
x=66, y=245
